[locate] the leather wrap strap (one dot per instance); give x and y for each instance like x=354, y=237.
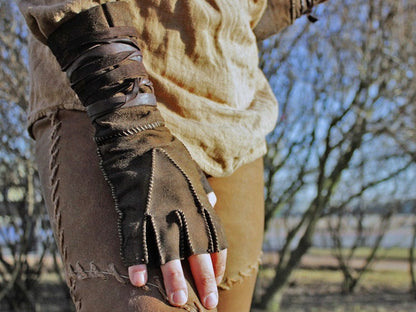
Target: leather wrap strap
x=107, y=21
x=99, y=52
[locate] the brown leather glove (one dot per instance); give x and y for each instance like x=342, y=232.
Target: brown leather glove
x=158, y=190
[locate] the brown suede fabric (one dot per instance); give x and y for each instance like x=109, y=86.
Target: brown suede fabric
x=84, y=221
x=202, y=58
x=82, y=214
x=163, y=211
x=68, y=40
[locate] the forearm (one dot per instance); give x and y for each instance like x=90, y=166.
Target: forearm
x=43, y=19
x=281, y=13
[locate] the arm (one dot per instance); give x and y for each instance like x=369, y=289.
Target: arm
x=281, y=13
x=158, y=191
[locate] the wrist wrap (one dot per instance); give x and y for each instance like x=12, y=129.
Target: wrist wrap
x=302, y=7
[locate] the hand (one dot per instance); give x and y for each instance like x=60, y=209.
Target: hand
x=207, y=270
x=159, y=191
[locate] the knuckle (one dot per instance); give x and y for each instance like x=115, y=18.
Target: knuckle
x=174, y=274
x=207, y=281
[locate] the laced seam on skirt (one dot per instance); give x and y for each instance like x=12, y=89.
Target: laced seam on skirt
x=54, y=182
x=80, y=273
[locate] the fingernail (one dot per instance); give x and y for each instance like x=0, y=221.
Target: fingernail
x=179, y=297
x=139, y=279
x=211, y=300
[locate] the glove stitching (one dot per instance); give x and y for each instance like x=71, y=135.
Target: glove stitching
x=151, y=183
x=147, y=215
x=146, y=228
x=145, y=249
x=158, y=243
x=184, y=233
x=128, y=132
x=213, y=241
x=191, y=186
x=148, y=218
x=116, y=203
x=209, y=226
x=183, y=225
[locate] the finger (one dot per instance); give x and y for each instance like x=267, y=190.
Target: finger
x=219, y=260
x=212, y=198
x=138, y=275
x=204, y=277
x=175, y=283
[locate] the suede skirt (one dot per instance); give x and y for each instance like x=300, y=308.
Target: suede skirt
x=84, y=222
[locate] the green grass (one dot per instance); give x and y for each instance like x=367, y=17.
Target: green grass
x=362, y=252
x=371, y=279
x=320, y=291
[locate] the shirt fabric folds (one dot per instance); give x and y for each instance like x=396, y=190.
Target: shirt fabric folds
x=202, y=58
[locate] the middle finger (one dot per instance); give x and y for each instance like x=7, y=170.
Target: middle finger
x=203, y=273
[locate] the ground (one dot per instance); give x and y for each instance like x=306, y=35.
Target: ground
x=312, y=296
x=314, y=287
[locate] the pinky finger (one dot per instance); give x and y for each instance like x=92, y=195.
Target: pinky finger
x=138, y=275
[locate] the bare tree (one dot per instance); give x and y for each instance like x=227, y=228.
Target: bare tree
x=411, y=258
x=366, y=235
x=25, y=235
x=412, y=262
x=341, y=83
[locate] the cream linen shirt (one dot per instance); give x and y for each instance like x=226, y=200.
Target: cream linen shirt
x=202, y=58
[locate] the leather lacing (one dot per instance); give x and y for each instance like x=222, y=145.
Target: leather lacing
x=106, y=71
x=305, y=8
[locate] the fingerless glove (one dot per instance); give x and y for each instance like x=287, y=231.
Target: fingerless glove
x=158, y=190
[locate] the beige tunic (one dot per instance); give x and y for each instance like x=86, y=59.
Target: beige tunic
x=203, y=60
